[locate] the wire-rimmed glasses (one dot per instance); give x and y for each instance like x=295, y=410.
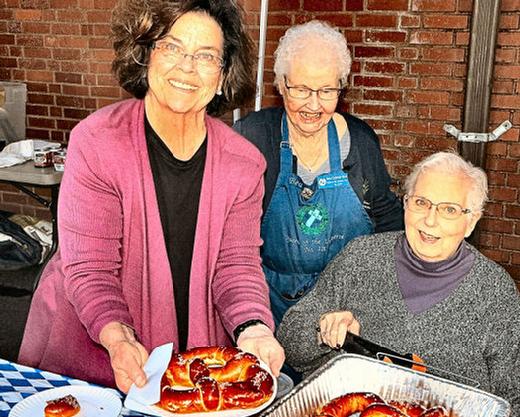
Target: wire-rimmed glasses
x=302, y=92
x=203, y=61
x=448, y=211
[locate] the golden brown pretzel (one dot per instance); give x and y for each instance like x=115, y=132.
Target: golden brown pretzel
x=205, y=396
x=220, y=363
x=435, y=412
x=411, y=409
x=348, y=404
x=371, y=405
x=381, y=410
x=218, y=378
x=66, y=406
x=255, y=390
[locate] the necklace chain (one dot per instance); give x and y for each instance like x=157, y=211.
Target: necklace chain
x=305, y=163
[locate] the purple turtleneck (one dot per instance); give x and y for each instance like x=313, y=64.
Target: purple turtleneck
x=424, y=284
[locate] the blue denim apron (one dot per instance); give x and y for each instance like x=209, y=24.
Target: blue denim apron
x=304, y=226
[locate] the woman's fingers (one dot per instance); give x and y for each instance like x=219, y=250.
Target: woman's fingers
x=260, y=341
x=127, y=359
x=341, y=334
x=355, y=327
x=270, y=351
x=127, y=355
x=334, y=327
x=123, y=382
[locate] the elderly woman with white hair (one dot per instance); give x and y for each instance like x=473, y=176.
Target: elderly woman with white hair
x=425, y=291
x=326, y=181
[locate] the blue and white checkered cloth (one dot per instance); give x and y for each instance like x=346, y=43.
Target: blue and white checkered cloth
x=18, y=382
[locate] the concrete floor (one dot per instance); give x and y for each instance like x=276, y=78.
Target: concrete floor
x=15, y=299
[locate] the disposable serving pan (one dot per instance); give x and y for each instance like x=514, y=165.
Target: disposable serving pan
x=354, y=373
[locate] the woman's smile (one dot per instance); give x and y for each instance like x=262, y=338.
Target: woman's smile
x=310, y=117
x=182, y=85
x=427, y=238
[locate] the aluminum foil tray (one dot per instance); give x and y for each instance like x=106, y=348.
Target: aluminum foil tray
x=355, y=373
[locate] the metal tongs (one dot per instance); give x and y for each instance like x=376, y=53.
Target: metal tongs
x=361, y=346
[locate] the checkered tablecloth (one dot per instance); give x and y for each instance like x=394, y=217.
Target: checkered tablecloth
x=18, y=382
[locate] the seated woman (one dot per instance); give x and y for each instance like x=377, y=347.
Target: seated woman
x=425, y=291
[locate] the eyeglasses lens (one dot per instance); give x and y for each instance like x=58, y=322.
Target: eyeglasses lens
x=203, y=61
x=449, y=211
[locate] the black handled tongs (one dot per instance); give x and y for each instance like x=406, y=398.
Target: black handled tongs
x=361, y=346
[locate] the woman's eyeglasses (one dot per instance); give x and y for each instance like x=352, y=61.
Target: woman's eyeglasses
x=203, y=61
x=302, y=92
x=448, y=211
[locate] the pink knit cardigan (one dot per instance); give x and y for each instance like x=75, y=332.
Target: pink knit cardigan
x=112, y=264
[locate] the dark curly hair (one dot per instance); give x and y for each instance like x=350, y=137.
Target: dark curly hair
x=137, y=24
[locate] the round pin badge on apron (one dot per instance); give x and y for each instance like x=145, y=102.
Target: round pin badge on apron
x=305, y=226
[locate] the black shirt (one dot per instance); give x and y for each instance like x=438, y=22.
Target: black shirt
x=177, y=186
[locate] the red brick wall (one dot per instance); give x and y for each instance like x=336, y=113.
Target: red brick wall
x=61, y=50
x=408, y=79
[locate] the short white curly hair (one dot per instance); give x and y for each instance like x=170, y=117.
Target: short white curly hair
x=454, y=164
x=297, y=38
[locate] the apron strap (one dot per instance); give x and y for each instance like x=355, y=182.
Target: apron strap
x=286, y=154
x=334, y=149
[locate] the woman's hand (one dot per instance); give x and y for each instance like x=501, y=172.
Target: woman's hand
x=260, y=341
x=334, y=327
x=127, y=355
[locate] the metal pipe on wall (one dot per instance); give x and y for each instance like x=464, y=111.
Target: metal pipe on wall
x=264, y=8
x=481, y=61
x=261, y=54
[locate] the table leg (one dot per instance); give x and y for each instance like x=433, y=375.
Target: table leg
x=53, y=208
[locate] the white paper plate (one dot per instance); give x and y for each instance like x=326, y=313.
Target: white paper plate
x=285, y=384
x=94, y=402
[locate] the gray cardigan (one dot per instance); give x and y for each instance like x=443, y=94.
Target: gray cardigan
x=475, y=332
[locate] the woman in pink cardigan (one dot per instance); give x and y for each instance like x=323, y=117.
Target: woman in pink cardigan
x=159, y=207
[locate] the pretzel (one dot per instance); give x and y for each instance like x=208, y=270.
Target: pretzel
x=221, y=363
x=66, y=406
x=382, y=410
x=435, y=412
x=217, y=378
x=371, y=405
x=348, y=404
x=411, y=409
x=205, y=396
